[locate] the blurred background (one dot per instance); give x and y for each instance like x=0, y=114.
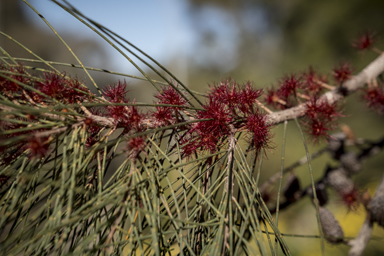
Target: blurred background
x=203, y=41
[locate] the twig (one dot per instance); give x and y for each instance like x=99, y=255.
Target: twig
x=230, y=184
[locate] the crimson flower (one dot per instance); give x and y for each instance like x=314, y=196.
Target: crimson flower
x=310, y=81
x=318, y=129
x=136, y=145
x=19, y=75
x=342, y=72
x=93, y=135
x=316, y=109
x=73, y=91
x=227, y=92
x=271, y=98
x=375, y=98
x=259, y=131
x=248, y=97
x=170, y=96
x=134, y=118
x=364, y=41
x=162, y=116
x=288, y=86
x=351, y=199
x=117, y=92
x=52, y=85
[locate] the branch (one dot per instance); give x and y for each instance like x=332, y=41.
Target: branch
x=370, y=72
x=360, y=242
x=341, y=170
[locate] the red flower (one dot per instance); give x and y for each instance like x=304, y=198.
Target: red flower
x=52, y=85
x=310, y=81
x=206, y=135
x=342, y=72
x=136, y=145
x=375, y=99
x=93, y=136
x=117, y=92
x=271, y=98
x=320, y=116
x=19, y=75
x=170, y=96
x=318, y=129
x=118, y=113
x=248, y=97
x=352, y=199
x=365, y=41
x=73, y=91
x=134, y=118
x=227, y=92
x=288, y=86
x=320, y=110
x=208, y=142
x=260, y=133
x=221, y=118
x=162, y=116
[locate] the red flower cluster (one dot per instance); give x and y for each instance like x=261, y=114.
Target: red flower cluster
x=288, y=86
x=128, y=117
x=286, y=95
x=239, y=99
x=17, y=73
x=170, y=96
x=135, y=146
x=365, y=41
x=311, y=82
x=167, y=115
x=375, y=98
x=320, y=117
x=229, y=103
x=22, y=87
x=65, y=90
x=352, y=199
x=342, y=72
x=56, y=86
x=260, y=134
x=117, y=92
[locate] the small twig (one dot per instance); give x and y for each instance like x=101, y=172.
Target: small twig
x=324, y=85
x=377, y=50
x=360, y=242
x=230, y=182
x=303, y=96
x=264, y=107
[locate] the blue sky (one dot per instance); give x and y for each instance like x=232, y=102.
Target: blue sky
x=164, y=29
x=157, y=27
